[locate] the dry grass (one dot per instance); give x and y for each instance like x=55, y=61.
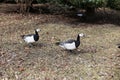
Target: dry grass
x=98, y=57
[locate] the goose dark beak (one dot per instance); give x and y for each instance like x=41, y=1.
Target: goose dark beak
x=84, y=35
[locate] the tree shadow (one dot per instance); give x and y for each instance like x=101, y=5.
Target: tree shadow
x=100, y=17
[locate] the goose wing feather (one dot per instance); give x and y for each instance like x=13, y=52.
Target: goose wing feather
x=29, y=35
x=69, y=41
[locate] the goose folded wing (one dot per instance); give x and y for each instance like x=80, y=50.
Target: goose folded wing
x=69, y=41
x=29, y=35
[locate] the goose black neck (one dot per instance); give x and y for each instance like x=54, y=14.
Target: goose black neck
x=78, y=38
x=36, y=32
x=77, y=42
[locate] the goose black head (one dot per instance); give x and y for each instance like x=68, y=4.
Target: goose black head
x=80, y=35
x=36, y=31
x=77, y=42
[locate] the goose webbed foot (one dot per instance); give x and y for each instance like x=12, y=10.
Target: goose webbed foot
x=70, y=51
x=30, y=45
x=73, y=51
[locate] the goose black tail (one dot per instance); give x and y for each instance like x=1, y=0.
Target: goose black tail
x=57, y=43
x=119, y=46
x=22, y=36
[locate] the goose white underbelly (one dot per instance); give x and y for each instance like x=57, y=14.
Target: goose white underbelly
x=69, y=46
x=29, y=39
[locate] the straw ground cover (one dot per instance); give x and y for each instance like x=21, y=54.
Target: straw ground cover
x=97, y=58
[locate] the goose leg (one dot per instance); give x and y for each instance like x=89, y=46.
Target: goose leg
x=30, y=45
